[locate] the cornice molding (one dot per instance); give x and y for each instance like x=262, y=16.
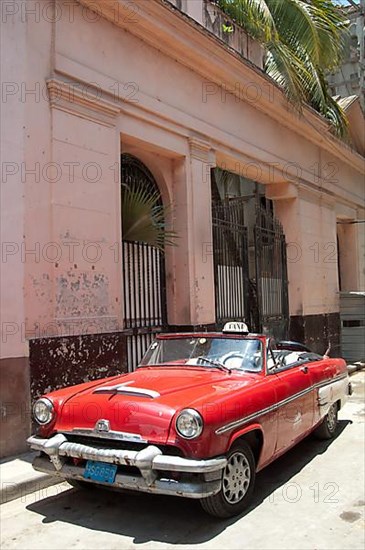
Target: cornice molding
x=189, y=43
x=211, y=143
x=84, y=102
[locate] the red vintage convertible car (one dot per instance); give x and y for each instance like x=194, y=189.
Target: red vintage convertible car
x=199, y=417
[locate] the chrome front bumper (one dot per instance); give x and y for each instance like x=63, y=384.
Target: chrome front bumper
x=150, y=462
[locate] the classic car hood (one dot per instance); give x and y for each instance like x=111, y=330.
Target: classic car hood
x=144, y=402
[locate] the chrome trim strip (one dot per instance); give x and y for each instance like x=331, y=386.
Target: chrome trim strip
x=272, y=408
x=328, y=382
x=114, y=435
x=128, y=390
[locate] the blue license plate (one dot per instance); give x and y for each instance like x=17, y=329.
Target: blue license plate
x=100, y=471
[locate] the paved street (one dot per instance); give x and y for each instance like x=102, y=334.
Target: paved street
x=312, y=498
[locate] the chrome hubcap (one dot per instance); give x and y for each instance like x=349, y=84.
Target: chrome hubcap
x=236, y=478
x=332, y=418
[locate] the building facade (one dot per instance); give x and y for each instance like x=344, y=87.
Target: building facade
x=348, y=80
x=96, y=94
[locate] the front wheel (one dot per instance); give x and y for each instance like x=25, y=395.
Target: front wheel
x=237, y=484
x=328, y=426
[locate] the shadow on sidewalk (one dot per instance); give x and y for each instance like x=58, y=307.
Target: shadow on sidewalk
x=25, y=457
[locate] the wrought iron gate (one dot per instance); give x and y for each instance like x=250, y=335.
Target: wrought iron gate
x=144, y=276
x=230, y=261
x=271, y=274
x=250, y=271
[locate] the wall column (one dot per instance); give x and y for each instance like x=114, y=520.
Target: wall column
x=14, y=364
x=79, y=336
x=193, y=258
x=360, y=233
x=309, y=223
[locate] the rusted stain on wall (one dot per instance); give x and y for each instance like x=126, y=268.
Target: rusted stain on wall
x=316, y=331
x=63, y=361
x=82, y=294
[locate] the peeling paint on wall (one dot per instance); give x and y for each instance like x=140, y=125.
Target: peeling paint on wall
x=82, y=294
x=64, y=361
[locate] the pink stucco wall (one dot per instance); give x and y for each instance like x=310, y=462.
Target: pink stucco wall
x=182, y=104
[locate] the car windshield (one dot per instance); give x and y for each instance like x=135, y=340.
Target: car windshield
x=225, y=353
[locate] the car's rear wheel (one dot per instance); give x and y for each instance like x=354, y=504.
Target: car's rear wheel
x=237, y=484
x=328, y=426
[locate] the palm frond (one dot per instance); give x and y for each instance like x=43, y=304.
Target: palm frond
x=143, y=218
x=295, y=26
x=289, y=71
x=303, y=39
x=332, y=32
x=253, y=15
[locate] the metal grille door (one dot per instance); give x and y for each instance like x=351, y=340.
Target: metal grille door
x=271, y=274
x=144, y=276
x=250, y=270
x=230, y=261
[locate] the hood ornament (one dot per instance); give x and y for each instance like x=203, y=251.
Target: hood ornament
x=102, y=425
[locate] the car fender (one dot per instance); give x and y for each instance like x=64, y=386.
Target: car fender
x=245, y=431
x=333, y=392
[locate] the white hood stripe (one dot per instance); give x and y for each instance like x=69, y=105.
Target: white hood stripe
x=128, y=390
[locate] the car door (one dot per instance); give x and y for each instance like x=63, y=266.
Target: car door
x=295, y=404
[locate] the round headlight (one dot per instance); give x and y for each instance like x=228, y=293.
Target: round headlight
x=189, y=424
x=43, y=410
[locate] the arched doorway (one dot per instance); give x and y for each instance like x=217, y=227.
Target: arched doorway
x=143, y=271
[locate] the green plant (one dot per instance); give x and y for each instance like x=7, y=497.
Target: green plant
x=143, y=218
x=303, y=40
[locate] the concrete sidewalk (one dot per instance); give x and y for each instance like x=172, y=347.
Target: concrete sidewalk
x=17, y=477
